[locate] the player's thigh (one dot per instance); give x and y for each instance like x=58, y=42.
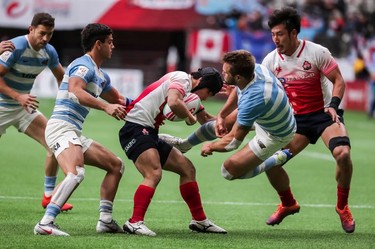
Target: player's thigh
x=70, y=158
x=244, y=159
x=179, y=164
x=298, y=144
x=148, y=164
x=334, y=130
x=37, y=128
x=99, y=156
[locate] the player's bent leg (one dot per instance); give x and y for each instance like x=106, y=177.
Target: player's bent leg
x=288, y=205
x=340, y=148
x=240, y=163
x=47, y=226
x=46, y=200
x=98, y=156
x=189, y=191
x=226, y=174
x=176, y=142
x=280, y=157
x=35, y=129
x=67, y=186
x=51, y=166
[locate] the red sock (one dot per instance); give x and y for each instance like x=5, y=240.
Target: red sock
x=190, y=193
x=142, y=199
x=287, y=198
x=342, y=197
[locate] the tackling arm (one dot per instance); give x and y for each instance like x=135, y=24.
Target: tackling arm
x=77, y=88
x=113, y=96
x=229, y=106
x=229, y=142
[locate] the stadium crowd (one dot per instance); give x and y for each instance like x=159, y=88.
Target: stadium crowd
x=345, y=27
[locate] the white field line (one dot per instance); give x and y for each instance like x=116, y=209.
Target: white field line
x=221, y=203
x=318, y=155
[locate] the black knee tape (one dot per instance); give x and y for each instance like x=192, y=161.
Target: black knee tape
x=338, y=141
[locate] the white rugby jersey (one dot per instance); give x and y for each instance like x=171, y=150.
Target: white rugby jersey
x=303, y=75
x=147, y=109
x=24, y=65
x=67, y=107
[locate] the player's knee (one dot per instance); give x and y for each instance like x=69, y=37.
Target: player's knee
x=340, y=149
x=80, y=174
x=226, y=174
x=122, y=166
x=338, y=141
x=49, y=153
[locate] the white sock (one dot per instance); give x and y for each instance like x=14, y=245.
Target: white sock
x=105, y=211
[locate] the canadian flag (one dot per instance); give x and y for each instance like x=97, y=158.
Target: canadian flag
x=208, y=44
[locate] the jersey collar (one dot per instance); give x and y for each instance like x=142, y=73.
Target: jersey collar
x=298, y=51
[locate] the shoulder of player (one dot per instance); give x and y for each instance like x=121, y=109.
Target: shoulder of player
x=20, y=43
x=50, y=49
x=179, y=75
x=315, y=48
x=82, y=62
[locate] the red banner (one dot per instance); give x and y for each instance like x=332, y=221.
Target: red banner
x=356, y=96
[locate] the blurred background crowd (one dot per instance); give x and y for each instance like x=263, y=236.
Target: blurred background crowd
x=155, y=36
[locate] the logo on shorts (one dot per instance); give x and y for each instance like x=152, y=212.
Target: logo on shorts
x=144, y=131
x=130, y=144
x=55, y=147
x=261, y=145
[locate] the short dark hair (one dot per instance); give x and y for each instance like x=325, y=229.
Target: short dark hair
x=287, y=16
x=93, y=32
x=43, y=19
x=211, y=79
x=242, y=63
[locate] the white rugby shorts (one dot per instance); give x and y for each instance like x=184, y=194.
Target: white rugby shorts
x=17, y=117
x=265, y=145
x=59, y=133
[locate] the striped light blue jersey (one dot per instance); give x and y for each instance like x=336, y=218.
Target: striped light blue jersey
x=67, y=107
x=264, y=101
x=24, y=65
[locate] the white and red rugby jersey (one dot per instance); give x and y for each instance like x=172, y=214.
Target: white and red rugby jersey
x=303, y=75
x=147, y=109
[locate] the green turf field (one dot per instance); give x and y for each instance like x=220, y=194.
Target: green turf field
x=241, y=207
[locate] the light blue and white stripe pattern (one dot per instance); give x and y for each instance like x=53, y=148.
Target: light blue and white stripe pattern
x=24, y=65
x=264, y=101
x=67, y=106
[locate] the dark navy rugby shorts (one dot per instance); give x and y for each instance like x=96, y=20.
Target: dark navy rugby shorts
x=135, y=139
x=312, y=125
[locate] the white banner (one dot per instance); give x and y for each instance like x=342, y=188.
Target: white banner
x=129, y=82
x=68, y=14
x=164, y=4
